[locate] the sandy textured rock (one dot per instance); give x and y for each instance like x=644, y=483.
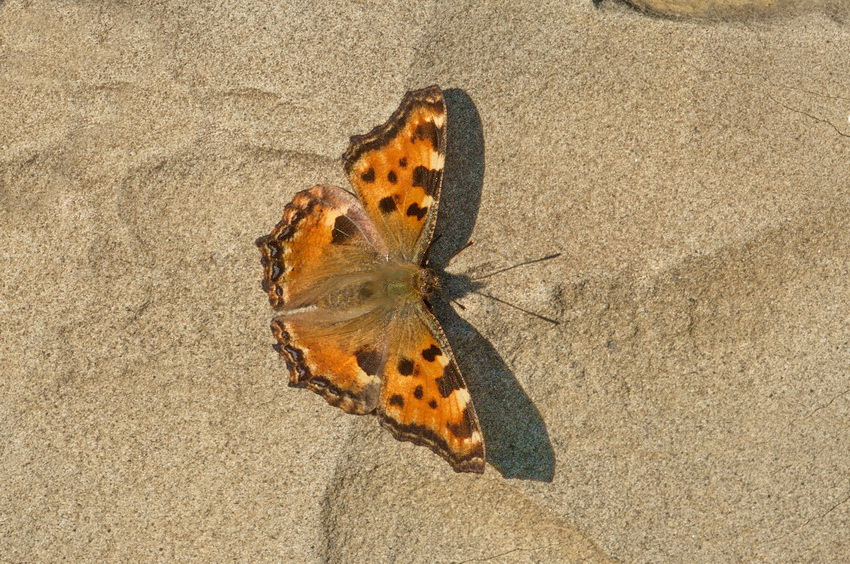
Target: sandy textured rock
x=692, y=406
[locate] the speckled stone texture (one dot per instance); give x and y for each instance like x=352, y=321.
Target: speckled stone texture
x=692, y=405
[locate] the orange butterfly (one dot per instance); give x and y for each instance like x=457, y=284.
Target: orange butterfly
x=349, y=278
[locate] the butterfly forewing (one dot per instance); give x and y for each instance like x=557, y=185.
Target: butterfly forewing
x=397, y=170
x=324, y=233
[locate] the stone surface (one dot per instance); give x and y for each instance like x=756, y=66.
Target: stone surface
x=692, y=405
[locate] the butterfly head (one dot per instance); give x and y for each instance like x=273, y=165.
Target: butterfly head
x=428, y=283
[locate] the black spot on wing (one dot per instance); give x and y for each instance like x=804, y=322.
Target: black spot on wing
x=417, y=393
x=387, y=205
x=403, y=162
x=463, y=428
x=344, y=229
x=432, y=404
x=405, y=367
x=368, y=360
x=430, y=132
x=391, y=176
x=368, y=176
x=431, y=353
x=449, y=381
x=427, y=179
x=397, y=400
x=415, y=211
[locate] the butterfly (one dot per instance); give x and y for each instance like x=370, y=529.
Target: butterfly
x=348, y=275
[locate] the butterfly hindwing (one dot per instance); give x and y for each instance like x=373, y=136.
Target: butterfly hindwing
x=424, y=398
x=344, y=371
x=397, y=169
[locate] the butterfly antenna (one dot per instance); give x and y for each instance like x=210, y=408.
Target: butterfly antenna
x=437, y=238
x=460, y=250
x=532, y=261
x=458, y=304
x=501, y=301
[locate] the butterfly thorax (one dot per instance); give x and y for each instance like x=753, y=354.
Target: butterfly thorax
x=406, y=282
x=390, y=285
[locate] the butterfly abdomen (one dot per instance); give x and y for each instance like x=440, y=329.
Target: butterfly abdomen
x=350, y=296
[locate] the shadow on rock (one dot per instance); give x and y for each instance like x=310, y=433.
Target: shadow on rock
x=517, y=442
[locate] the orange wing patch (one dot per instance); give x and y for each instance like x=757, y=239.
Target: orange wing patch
x=424, y=398
x=321, y=228
x=397, y=170
x=345, y=374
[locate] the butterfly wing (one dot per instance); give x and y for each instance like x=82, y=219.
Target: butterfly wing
x=324, y=232
x=316, y=262
x=424, y=398
x=340, y=362
x=397, y=169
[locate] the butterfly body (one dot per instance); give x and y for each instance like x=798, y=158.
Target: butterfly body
x=346, y=274
x=405, y=283
x=385, y=286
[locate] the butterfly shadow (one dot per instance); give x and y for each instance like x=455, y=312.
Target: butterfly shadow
x=515, y=435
